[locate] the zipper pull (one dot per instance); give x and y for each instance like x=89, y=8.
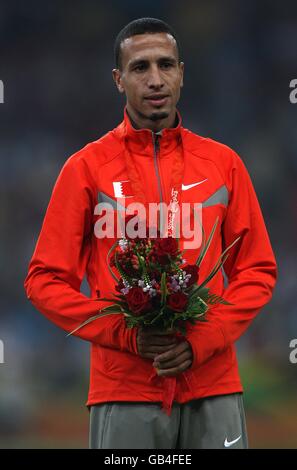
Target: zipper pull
x=156, y=142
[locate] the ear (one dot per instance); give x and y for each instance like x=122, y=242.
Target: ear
x=117, y=77
x=181, y=68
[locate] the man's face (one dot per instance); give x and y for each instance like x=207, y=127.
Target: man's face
x=151, y=77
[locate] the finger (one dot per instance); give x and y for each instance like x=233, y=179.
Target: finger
x=156, y=350
x=147, y=355
x=149, y=352
x=152, y=351
x=175, y=370
x=172, y=353
x=157, y=341
x=174, y=362
x=153, y=331
x=181, y=358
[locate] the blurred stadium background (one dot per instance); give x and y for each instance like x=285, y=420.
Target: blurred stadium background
x=55, y=62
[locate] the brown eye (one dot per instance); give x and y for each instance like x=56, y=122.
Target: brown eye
x=166, y=65
x=139, y=68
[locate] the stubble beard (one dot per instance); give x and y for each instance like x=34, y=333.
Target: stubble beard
x=157, y=116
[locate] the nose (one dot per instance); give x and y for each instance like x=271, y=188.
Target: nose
x=154, y=77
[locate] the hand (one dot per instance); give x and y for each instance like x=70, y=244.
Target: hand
x=176, y=360
x=151, y=342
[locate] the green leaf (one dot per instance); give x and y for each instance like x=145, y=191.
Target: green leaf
x=140, y=261
x=119, y=301
x=219, y=263
x=120, y=296
x=217, y=299
x=207, y=244
x=197, y=291
x=198, y=304
x=214, y=271
x=122, y=273
x=110, y=307
x=202, y=292
x=198, y=261
x=230, y=246
x=160, y=314
x=95, y=317
x=107, y=261
x=225, y=302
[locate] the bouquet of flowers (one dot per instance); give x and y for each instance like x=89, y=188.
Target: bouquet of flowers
x=155, y=286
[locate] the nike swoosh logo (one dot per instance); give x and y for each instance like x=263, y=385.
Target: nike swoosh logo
x=185, y=187
x=229, y=444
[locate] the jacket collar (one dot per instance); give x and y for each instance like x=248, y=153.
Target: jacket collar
x=140, y=141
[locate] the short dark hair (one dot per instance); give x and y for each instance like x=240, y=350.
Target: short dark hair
x=141, y=26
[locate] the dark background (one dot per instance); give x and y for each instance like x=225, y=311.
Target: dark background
x=55, y=62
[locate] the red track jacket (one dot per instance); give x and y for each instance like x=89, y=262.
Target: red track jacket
x=67, y=248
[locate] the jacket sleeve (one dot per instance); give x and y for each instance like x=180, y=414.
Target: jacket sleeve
x=60, y=258
x=251, y=270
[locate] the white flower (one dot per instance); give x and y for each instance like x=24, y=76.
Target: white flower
x=152, y=292
x=125, y=290
x=123, y=244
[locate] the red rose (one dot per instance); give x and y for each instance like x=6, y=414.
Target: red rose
x=166, y=246
x=194, y=271
x=163, y=259
x=139, y=302
x=177, y=301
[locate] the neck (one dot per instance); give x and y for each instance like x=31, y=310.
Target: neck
x=139, y=121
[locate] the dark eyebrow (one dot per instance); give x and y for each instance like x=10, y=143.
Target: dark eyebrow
x=133, y=63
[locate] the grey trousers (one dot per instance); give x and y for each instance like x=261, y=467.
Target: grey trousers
x=208, y=423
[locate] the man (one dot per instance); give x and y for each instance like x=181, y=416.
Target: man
x=142, y=160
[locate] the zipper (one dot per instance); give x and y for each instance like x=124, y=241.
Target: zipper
x=157, y=171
